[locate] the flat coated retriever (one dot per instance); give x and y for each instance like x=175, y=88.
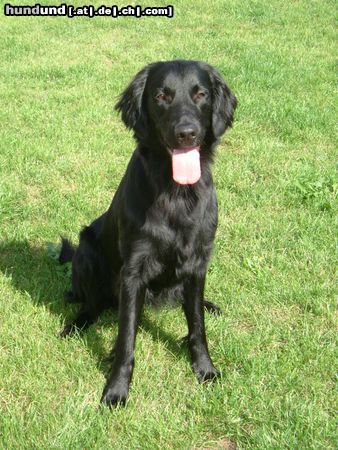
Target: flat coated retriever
x=156, y=238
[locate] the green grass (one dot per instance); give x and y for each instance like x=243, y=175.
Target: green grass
x=63, y=152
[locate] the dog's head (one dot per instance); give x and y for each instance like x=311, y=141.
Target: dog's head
x=181, y=107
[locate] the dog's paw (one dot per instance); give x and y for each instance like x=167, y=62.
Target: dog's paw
x=114, y=395
x=211, y=307
x=67, y=331
x=206, y=374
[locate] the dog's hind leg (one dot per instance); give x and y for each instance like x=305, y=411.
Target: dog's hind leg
x=95, y=299
x=83, y=321
x=94, y=304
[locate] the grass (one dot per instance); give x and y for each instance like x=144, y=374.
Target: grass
x=62, y=154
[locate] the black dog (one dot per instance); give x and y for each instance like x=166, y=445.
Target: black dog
x=158, y=233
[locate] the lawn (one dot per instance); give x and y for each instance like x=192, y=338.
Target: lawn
x=63, y=151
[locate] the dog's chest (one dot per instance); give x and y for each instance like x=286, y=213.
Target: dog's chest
x=180, y=235
x=176, y=223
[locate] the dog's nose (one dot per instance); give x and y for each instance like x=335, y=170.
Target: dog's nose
x=186, y=135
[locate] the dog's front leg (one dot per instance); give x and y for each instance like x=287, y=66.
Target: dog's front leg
x=131, y=301
x=194, y=311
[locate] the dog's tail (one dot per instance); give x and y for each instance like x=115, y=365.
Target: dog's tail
x=67, y=251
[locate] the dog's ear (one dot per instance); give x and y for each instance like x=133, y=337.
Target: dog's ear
x=130, y=104
x=224, y=104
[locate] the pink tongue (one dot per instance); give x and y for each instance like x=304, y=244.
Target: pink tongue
x=186, y=166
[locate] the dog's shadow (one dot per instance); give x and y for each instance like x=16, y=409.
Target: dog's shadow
x=33, y=271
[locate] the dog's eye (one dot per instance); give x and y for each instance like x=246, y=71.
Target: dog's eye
x=162, y=97
x=200, y=95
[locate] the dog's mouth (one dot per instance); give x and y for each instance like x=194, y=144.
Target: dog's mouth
x=186, y=165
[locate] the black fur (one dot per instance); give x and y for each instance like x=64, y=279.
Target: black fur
x=156, y=238
x=67, y=251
